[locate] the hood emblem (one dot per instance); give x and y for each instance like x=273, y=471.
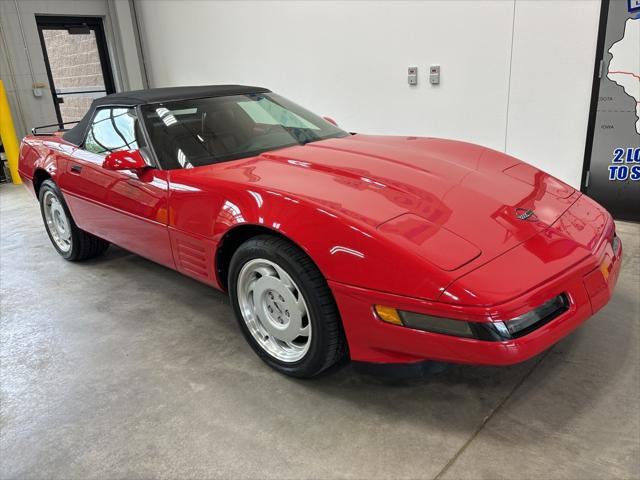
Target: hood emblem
x=526, y=215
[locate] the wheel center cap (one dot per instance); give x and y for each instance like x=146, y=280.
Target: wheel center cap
x=276, y=308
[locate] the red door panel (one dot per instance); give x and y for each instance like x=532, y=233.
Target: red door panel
x=119, y=206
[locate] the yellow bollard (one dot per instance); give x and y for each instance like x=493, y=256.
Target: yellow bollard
x=8, y=135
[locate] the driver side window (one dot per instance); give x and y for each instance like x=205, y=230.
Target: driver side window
x=112, y=129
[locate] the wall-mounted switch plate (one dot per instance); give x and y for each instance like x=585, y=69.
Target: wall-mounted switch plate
x=412, y=75
x=37, y=88
x=434, y=74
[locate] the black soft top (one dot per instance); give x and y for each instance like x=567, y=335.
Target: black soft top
x=155, y=95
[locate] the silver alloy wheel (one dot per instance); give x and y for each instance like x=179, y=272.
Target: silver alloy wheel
x=57, y=222
x=274, y=310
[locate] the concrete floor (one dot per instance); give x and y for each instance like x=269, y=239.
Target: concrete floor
x=120, y=368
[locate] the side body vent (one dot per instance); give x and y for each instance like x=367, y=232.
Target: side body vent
x=194, y=257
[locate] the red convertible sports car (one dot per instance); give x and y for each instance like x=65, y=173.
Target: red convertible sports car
x=391, y=250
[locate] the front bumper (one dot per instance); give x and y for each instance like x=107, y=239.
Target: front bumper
x=588, y=284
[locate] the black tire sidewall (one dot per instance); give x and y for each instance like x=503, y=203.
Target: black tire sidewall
x=315, y=357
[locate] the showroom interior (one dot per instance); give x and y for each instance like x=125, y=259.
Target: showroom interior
x=119, y=367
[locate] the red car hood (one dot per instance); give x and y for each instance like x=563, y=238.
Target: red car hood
x=463, y=199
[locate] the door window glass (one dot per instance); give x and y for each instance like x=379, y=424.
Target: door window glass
x=112, y=129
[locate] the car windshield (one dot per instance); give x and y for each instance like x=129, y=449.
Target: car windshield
x=191, y=133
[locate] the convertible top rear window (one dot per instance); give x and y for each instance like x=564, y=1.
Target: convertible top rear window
x=192, y=133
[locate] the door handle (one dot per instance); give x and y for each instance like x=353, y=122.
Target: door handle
x=76, y=168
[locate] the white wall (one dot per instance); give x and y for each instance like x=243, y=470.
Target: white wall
x=551, y=77
x=130, y=64
x=348, y=60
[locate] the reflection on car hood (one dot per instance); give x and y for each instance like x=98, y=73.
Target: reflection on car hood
x=474, y=192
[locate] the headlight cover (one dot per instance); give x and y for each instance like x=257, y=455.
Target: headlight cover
x=549, y=310
x=428, y=323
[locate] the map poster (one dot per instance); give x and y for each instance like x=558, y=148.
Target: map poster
x=612, y=162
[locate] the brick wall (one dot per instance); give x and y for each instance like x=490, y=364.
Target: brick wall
x=75, y=66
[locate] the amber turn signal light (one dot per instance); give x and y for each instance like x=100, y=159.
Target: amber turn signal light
x=388, y=314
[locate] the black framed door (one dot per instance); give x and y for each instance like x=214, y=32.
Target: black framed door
x=77, y=61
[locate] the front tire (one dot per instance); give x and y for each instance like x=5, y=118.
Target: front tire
x=71, y=242
x=284, y=307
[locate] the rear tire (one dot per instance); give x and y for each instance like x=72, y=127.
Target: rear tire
x=71, y=242
x=285, y=308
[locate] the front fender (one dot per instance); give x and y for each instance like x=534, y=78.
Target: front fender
x=346, y=250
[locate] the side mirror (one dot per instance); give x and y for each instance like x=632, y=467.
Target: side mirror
x=330, y=120
x=124, y=160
